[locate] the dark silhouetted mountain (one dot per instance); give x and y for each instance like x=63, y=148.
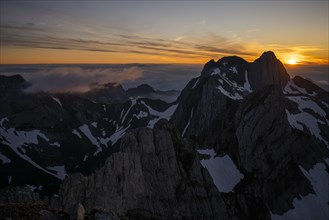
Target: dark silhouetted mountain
x=141, y=89
x=10, y=85
x=110, y=93
x=267, y=70
x=146, y=91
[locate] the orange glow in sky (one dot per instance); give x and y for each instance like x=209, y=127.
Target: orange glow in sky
x=46, y=32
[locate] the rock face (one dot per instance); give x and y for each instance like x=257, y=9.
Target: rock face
x=270, y=151
x=267, y=70
x=153, y=176
x=22, y=195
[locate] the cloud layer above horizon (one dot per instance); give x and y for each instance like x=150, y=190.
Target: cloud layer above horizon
x=161, y=32
x=81, y=78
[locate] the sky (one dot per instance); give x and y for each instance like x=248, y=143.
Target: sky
x=190, y=32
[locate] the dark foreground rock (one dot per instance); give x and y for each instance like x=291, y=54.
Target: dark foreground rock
x=153, y=176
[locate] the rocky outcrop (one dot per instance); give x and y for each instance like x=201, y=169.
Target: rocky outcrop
x=19, y=203
x=267, y=70
x=257, y=120
x=201, y=110
x=153, y=176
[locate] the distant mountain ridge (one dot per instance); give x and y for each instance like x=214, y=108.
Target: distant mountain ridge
x=243, y=141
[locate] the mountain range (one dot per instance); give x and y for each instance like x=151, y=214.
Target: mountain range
x=241, y=141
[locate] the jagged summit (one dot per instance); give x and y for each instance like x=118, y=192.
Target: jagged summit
x=231, y=59
x=143, y=88
x=265, y=70
x=268, y=54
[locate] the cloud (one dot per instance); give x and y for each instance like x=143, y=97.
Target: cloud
x=207, y=46
x=78, y=78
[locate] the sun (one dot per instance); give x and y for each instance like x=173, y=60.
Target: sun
x=292, y=61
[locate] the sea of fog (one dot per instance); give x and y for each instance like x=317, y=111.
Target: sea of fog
x=79, y=77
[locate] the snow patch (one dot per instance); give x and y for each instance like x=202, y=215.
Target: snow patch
x=188, y=123
x=160, y=115
x=86, y=131
x=298, y=120
x=141, y=114
x=56, y=144
x=57, y=100
x=76, y=133
x=222, y=170
x=237, y=91
x=246, y=85
x=292, y=88
x=31, y=187
x=325, y=104
x=310, y=121
x=17, y=139
x=133, y=102
x=235, y=96
x=196, y=83
x=312, y=206
x=10, y=180
x=3, y=120
x=94, y=124
x=216, y=71
x=60, y=171
x=4, y=159
x=306, y=103
x=234, y=70
x=118, y=134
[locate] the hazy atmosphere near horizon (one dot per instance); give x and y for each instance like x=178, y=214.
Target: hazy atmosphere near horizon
x=160, y=32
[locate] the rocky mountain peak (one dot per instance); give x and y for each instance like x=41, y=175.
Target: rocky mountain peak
x=268, y=55
x=143, y=88
x=267, y=70
x=208, y=67
x=10, y=85
x=232, y=60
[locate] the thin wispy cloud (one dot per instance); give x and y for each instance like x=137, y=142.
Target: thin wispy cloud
x=37, y=37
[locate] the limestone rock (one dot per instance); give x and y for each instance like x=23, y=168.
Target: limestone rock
x=154, y=175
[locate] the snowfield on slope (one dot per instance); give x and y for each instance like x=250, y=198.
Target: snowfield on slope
x=222, y=170
x=312, y=206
